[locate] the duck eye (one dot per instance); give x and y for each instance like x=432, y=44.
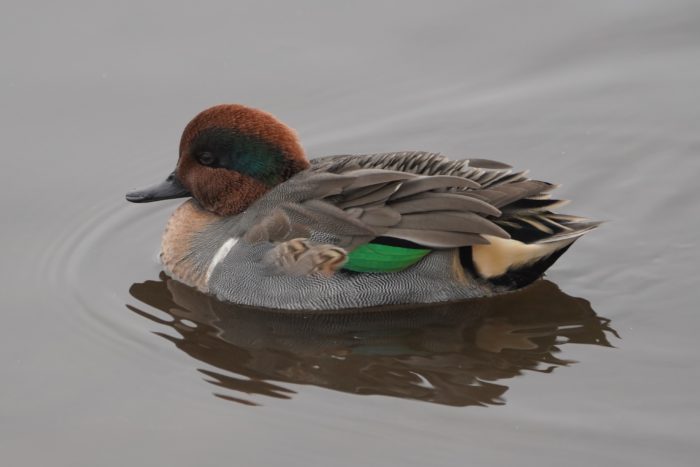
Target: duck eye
x=206, y=158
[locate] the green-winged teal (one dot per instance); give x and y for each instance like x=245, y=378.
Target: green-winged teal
x=266, y=227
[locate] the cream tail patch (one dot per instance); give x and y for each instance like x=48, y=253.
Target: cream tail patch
x=219, y=256
x=500, y=255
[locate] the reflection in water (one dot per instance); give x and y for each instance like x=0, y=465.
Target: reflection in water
x=452, y=354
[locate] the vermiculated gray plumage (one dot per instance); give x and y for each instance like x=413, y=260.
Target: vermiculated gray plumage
x=417, y=197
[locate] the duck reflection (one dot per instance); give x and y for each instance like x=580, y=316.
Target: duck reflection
x=454, y=354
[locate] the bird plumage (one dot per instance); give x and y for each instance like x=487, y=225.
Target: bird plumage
x=453, y=228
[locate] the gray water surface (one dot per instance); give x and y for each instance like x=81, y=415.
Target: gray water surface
x=107, y=363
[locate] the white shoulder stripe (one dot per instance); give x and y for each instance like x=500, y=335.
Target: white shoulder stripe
x=219, y=256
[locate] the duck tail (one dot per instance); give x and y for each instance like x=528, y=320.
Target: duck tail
x=537, y=240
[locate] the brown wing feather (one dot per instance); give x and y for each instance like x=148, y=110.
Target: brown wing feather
x=424, y=198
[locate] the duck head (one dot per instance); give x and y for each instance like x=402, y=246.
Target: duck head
x=230, y=155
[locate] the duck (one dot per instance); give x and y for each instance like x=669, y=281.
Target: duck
x=264, y=226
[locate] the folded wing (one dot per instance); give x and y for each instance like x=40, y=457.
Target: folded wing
x=423, y=199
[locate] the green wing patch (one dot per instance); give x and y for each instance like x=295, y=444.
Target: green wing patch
x=374, y=257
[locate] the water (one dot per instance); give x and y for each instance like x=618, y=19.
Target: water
x=105, y=362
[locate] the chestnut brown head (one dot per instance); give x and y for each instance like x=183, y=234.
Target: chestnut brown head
x=230, y=155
